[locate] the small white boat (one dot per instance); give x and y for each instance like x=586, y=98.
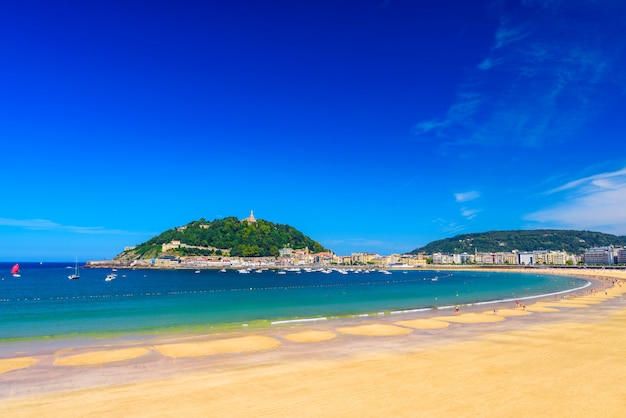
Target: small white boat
x=243, y=271
x=223, y=271
x=110, y=277
x=74, y=276
x=197, y=271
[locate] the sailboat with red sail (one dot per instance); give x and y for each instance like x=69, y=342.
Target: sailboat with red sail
x=15, y=271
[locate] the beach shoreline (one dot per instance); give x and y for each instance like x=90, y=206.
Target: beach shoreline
x=47, y=374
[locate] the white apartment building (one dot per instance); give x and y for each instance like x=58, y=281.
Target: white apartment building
x=463, y=258
x=439, y=258
x=600, y=255
x=526, y=258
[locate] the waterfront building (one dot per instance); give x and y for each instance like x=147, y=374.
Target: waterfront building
x=463, y=258
x=526, y=258
x=363, y=258
x=413, y=260
x=599, y=255
x=167, y=261
x=439, y=258
x=510, y=258
x=557, y=258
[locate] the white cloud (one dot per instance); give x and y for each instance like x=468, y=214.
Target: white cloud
x=469, y=213
x=596, y=202
x=602, y=180
x=467, y=196
x=47, y=225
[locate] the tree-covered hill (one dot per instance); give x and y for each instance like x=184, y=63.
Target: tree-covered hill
x=573, y=242
x=241, y=238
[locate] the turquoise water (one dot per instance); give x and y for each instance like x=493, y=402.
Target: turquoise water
x=43, y=302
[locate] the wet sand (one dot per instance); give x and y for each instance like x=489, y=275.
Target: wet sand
x=558, y=357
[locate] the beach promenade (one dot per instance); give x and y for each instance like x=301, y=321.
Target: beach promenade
x=559, y=356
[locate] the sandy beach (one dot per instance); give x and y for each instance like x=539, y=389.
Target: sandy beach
x=560, y=356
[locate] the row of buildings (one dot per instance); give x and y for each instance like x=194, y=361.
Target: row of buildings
x=591, y=256
x=303, y=257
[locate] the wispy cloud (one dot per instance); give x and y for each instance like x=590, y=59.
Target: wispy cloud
x=601, y=181
x=507, y=33
x=466, y=196
x=595, y=202
x=542, y=79
x=47, y=225
x=469, y=213
x=448, y=227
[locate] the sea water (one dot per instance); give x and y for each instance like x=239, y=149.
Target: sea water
x=44, y=303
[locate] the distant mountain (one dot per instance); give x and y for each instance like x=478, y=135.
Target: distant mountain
x=574, y=242
x=228, y=236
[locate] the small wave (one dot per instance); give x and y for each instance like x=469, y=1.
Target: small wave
x=531, y=297
x=291, y=321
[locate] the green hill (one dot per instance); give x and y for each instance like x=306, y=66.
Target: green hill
x=573, y=242
x=222, y=237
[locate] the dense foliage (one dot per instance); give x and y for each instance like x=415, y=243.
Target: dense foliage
x=243, y=239
x=574, y=242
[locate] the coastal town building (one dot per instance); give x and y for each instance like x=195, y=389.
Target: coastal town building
x=463, y=258
x=363, y=258
x=439, y=258
x=600, y=255
x=166, y=261
x=526, y=258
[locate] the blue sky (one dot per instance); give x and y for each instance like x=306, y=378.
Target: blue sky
x=369, y=125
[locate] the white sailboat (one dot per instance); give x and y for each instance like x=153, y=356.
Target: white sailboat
x=75, y=276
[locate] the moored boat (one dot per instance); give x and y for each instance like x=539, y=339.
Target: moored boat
x=74, y=276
